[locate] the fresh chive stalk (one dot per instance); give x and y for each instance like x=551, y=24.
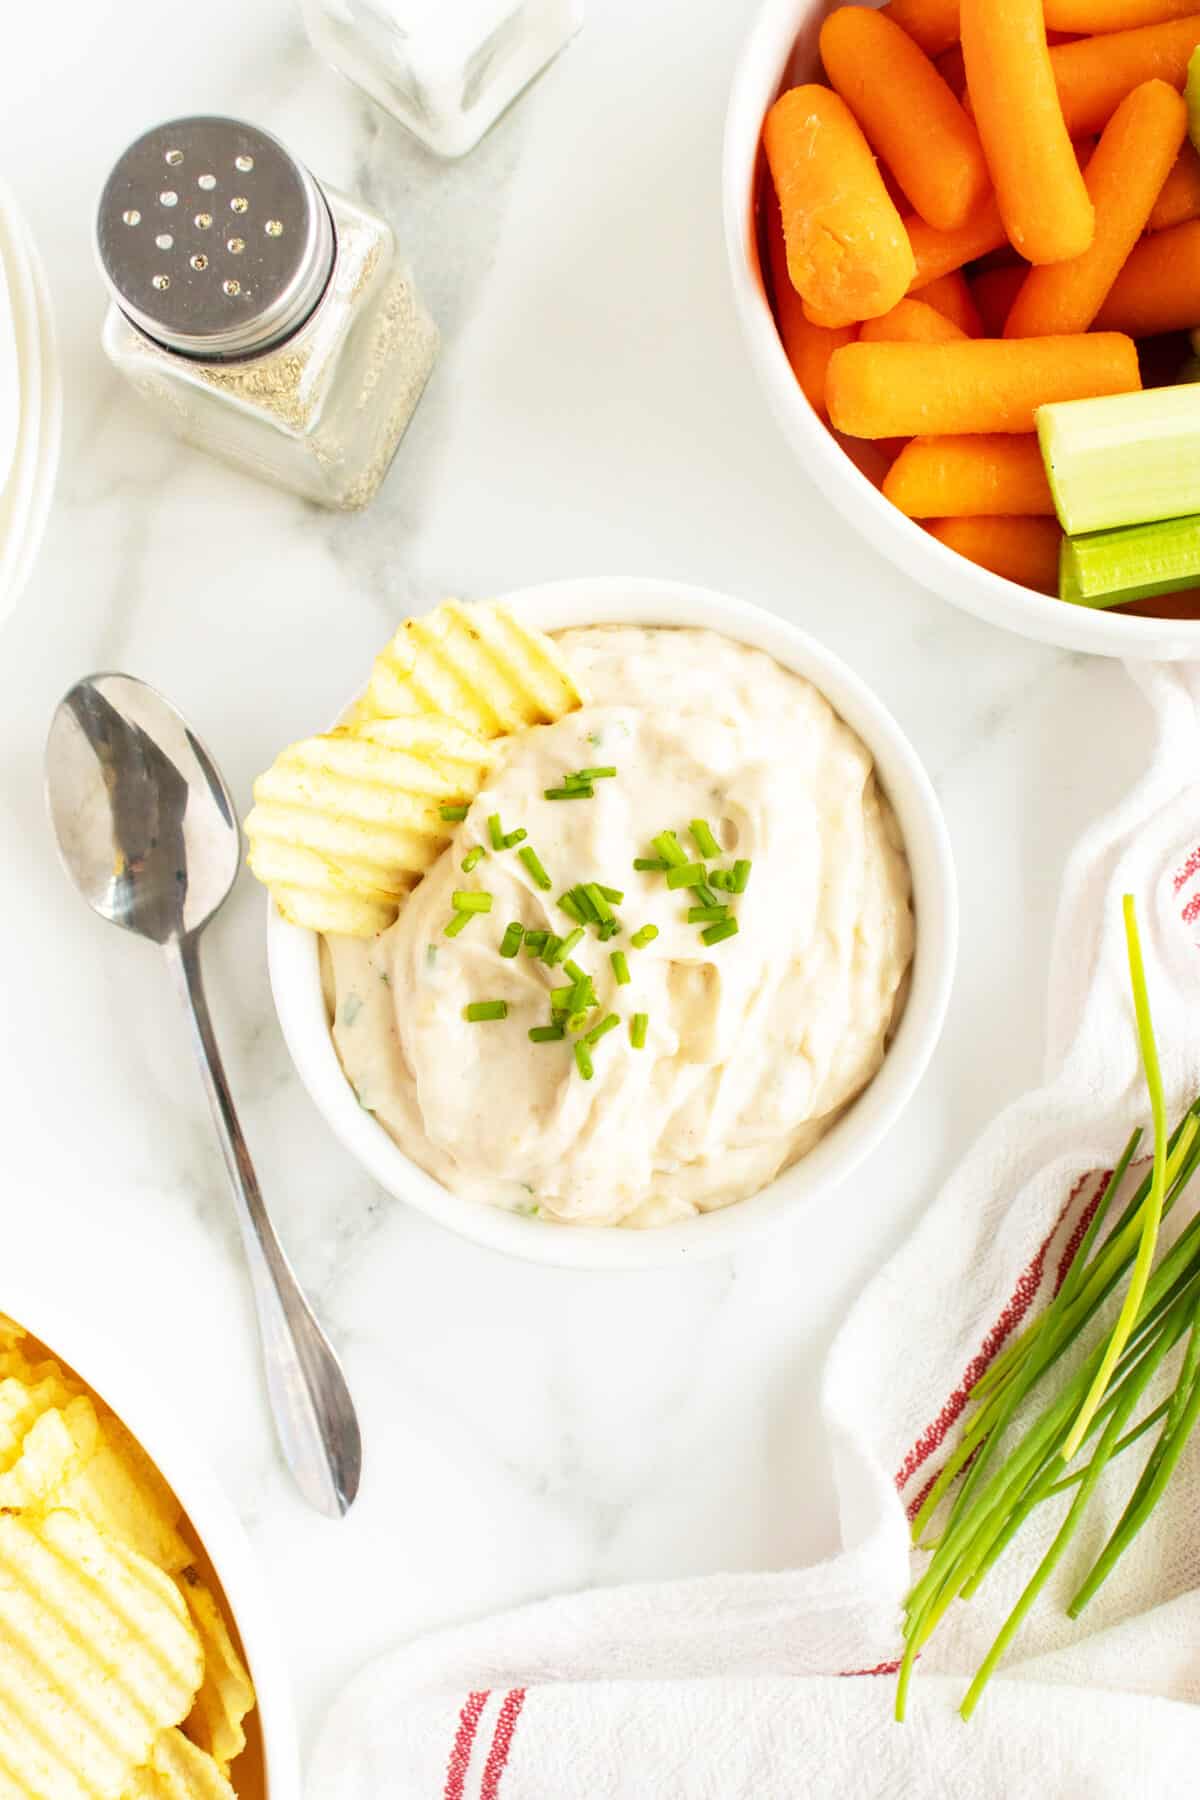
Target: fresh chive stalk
x=637, y=1030
x=546, y=1034
x=495, y=831
x=510, y=943
x=564, y=946
x=686, y=875
x=571, y=907
x=470, y=900
x=656, y=863
x=1161, y=1306
x=453, y=815
x=703, y=838
x=535, y=942
x=473, y=858
x=607, y=1024
x=582, y=791
x=620, y=967
x=599, y=903
x=457, y=923
x=645, y=934
x=706, y=915
x=670, y=849
x=605, y=774
x=533, y=863
x=716, y=934
x=482, y=1012
x=512, y=838
x=583, y=1059
x=609, y=929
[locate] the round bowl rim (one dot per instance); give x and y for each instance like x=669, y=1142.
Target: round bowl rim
x=766, y=52
x=296, y=986
x=110, y=1373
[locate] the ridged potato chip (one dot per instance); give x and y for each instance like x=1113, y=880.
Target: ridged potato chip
x=97, y=1657
x=477, y=665
x=227, y=1693
x=344, y=825
x=22, y=1404
x=177, y=1770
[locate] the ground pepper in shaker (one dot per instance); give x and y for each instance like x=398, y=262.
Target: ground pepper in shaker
x=446, y=69
x=270, y=319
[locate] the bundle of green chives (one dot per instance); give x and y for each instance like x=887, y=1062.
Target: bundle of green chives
x=1160, y=1308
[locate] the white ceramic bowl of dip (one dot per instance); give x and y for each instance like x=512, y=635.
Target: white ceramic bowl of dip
x=296, y=981
x=270, y=1767
x=780, y=50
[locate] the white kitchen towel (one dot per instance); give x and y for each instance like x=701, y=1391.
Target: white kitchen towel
x=782, y=1684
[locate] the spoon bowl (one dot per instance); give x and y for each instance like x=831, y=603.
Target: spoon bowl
x=148, y=833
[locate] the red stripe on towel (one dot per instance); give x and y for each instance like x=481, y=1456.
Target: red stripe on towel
x=1020, y=1301
x=464, y=1739
x=506, y=1724
x=1191, y=867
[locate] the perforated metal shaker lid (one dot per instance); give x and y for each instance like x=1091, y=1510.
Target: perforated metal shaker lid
x=213, y=239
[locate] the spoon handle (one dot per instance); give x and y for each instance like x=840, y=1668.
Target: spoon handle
x=314, y=1414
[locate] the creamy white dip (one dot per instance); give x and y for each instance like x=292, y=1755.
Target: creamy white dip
x=754, y=1046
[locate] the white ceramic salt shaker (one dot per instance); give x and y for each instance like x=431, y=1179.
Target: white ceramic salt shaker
x=269, y=320
x=446, y=69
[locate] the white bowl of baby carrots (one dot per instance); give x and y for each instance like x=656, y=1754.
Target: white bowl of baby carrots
x=932, y=404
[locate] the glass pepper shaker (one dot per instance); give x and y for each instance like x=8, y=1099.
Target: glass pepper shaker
x=446, y=69
x=269, y=319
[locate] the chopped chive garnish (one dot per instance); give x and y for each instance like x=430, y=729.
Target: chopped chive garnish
x=620, y=967
x=593, y=774
x=470, y=900
x=716, y=934
x=585, y=993
x=533, y=863
x=495, y=831
x=560, y=998
x=565, y=945
x=703, y=838
x=658, y=863
x=686, y=875
x=452, y=814
x=458, y=923
x=583, y=1060
x=670, y=849
x=720, y=878
x=646, y=935
x=607, y=1024
x=577, y=1020
x=706, y=915
x=741, y=875
x=513, y=838
x=550, y=947
x=609, y=929
x=480, y=1012
x=473, y=858
x=575, y=972
x=546, y=1034
x=637, y=1030
x=535, y=942
x=703, y=895
x=510, y=943
x=568, y=793
x=600, y=906
x=580, y=897
x=572, y=908
x=613, y=895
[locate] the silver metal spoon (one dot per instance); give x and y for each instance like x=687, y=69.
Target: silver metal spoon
x=148, y=834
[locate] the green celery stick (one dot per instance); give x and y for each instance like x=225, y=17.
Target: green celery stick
x=1123, y=459
x=1107, y=568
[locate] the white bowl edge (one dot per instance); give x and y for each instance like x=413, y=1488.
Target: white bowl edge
x=766, y=56
x=110, y=1374
x=295, y=975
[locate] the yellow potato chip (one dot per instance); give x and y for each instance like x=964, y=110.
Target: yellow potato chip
x=227, y=1693
x=177, y=1770
x=21, y=1406
x=49, y=1456
x=344, y=825
x=476, y=664
x=11, y=1334
x=117, y=1487
x=97, y=1657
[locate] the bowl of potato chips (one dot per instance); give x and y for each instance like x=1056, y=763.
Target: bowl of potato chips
x=137, y=1656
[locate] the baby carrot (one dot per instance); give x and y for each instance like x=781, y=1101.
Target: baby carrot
x=911, y=321
x=994, y=292
x=979, y=384
x=1159, y=287
x=1041, y=193
x=1023, y=550
x=847, y=252
x=909, y=116
x=951, y=296
x=1129, y=165
x=940, y=252
x=1094, y=75
x=1179, y=196
x=1088, y=16
x=931, y=23
x=809, y=347
x=953, y=477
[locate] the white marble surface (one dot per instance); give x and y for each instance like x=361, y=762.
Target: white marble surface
x=528, y=1430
